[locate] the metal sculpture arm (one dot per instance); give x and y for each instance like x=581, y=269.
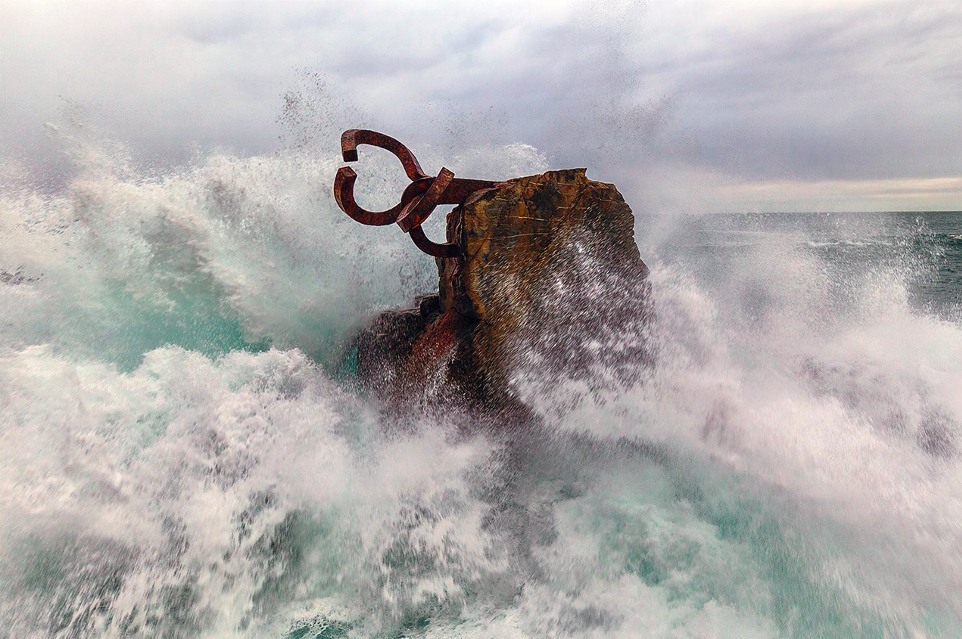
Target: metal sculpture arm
x=418, y=200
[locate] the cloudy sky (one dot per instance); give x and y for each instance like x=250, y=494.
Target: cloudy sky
x=690, y=105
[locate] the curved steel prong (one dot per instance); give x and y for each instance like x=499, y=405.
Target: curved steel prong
x=433, y=248
x=418, y=210
x=419, y=199
x=344, y=196
x=351, y=138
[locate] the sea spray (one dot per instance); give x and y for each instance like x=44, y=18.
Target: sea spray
x=229, y=253
x=178, y=462
x=191, y=495
x=833, y=404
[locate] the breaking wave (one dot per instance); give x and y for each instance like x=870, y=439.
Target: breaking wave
x=181, y=457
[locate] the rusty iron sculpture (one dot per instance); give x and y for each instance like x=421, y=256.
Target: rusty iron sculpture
x=418, y=200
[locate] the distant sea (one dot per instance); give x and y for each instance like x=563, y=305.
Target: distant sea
x=926, y=247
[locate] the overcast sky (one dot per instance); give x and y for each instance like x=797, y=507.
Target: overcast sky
x=693, y=105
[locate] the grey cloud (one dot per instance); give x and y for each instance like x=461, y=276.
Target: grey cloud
x=855, y=95
x=851, y=92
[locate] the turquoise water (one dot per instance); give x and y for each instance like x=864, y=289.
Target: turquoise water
x=183, y=454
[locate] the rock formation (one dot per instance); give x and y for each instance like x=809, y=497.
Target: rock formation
x=550, y=287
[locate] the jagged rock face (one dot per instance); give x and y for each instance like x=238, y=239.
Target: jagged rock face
x=517, y=238
x=551, y=286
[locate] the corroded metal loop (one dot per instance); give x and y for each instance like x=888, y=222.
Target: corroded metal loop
x=418, y=210
x=344, y=196
x=351, y=138
x=448, y=249
x=419, y=199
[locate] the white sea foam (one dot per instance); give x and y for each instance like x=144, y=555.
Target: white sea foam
x=224, y=251
x=790, y=466
x=829, y=399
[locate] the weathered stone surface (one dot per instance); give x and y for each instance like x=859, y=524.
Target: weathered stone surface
x=514, y=235
x=551, y=286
